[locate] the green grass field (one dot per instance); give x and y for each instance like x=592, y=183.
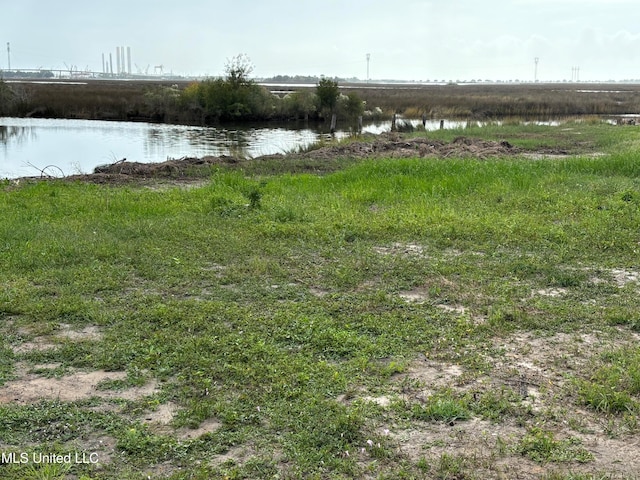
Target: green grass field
x=395, y=319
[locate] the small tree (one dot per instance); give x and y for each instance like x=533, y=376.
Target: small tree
x=328, y=93
x=238, y=69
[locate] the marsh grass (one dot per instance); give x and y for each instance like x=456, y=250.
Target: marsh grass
x=160, y=101
x=501, y=101
x=273, y=305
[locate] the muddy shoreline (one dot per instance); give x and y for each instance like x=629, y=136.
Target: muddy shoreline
x=392, y=145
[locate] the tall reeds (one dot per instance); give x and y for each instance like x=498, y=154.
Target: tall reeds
x=209, y=101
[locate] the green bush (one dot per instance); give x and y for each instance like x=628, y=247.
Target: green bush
x=328, y=93
x=234, y=97
x=351, y=105
x=300, y=104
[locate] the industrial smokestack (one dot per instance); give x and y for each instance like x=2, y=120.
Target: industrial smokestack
x=129, y=60
x=118, y=60
x=103, y=70
x=111, y=64
x=122, y=59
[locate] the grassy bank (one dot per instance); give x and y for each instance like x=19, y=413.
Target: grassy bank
x=406, y=318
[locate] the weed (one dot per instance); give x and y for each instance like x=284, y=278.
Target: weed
x=540, y=446
x=614, y=385
x=254, y=195
x=442, y=408
x=47, y=471
x=452, y=466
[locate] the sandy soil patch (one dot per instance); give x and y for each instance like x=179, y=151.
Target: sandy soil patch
x=410, y=249
x=550, y=292
x=69, y=388
x=159, y=420
x=48, y=342
x=534, y=367
x=417, y=295
x=622, y=277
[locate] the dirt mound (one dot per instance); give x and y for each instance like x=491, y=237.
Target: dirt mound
x=170, y=168
x=386, y=145
x=390, y=145
x=189, y=170
x=185, y=170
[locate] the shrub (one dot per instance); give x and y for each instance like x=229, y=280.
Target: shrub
x=162, y=101
x=351, y=105
x=328, y=93
x=300, y=104
x=235, y=97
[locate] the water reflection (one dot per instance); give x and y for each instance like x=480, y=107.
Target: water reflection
x=16, y=134
x=78, y=146
x=245, y=142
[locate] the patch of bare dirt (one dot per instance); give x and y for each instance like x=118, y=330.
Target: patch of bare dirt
x=550, y=292
x=622, y=276
x=159, y=420
x=90, y=332
x=409, y=249
x=431, y=375
x=47, y=342
x=31, y=388
x=318, y=292
x=455, y=309
x=417, y=295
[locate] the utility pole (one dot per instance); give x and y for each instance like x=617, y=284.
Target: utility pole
x=368, y=58
x=535, y=74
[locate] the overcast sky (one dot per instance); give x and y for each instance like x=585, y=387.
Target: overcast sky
x=408, y=40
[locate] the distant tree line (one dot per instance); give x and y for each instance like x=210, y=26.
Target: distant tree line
x=26, y=74
x=308, y=79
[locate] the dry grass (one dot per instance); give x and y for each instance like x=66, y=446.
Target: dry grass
x=99, y=99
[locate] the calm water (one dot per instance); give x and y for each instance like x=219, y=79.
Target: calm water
x=67, y=147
